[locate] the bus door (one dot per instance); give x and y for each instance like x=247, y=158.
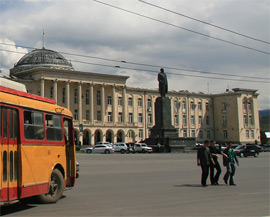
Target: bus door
x=9, y=154
x=70, y=153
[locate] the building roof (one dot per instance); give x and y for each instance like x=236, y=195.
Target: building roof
x=44, y=57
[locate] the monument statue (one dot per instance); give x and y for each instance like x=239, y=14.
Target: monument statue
x=163, y=83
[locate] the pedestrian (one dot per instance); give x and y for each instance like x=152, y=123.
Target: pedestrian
x=229, y=162
x=215, y=155
x=203, y=159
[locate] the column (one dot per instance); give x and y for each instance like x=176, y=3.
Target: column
x=91, y=93
x=80, y=102
x=102, y=103
x=68, y=94
x=124, y=106
x=42, y=86
x=114, y=101
x=55, y=90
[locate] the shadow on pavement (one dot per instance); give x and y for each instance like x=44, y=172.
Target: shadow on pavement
x=198, y=185
x=14, y=208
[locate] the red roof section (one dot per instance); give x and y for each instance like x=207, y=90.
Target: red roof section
x=27, y=95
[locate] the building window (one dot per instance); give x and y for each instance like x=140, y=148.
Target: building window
x=130, y=101
x=247, y=134
x=140, y=102
x=250, y=120
x=200, y=120
x=244, y=106
x=223, y=107
x=245, y=120
x=109, y=117
x=185, y=119
x=201, y=134
x=149, y=103
x=149, y=118
x=76, y=96
x=87, y=101
x=252, y=134
x=98, y=97
x=184, y=133
x=140, y=118
x=192, y=120
x=208, y=134
x=75, y=114
x=176, y=119
x=175, y=106
x=224, y=120
x=207, y=106
x=51, y=92
x=200, y=105
x=193, y=133
x=207, y=120
x=140, y=134
x=130, y=117
x=98, y=115
x=184, y=106
x=249, y=106
x=109, y=100
x=64, y=95
x=192, y=105
x=87, y=115
x=120, y=101
x=225, y=134
x=120, y=117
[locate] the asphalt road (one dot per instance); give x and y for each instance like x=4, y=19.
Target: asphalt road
x=156, y=185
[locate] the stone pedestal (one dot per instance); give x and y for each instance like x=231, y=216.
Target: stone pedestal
x=164, y=136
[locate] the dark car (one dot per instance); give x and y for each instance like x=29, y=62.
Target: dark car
x=247, y=150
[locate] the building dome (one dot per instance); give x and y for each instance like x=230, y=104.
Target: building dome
x=44, y=58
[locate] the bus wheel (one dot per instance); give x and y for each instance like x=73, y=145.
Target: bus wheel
x=56, y=188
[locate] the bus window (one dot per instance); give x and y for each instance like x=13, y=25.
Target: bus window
x=54, y=130
x=4, y=166
x=15, y=124
x=10, y=123
x=33, y=125
x=4, y=123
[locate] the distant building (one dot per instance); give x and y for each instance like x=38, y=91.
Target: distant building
x=105, y=109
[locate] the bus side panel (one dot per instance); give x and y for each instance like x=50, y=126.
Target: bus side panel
x=38, y=162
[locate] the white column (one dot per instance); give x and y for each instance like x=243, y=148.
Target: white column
x=124, y=105
x=55, y=90
x=42, y=87
x=68, y=94
x=80, y=102
x=102, y=103
x=114, y=101
x=91, y=92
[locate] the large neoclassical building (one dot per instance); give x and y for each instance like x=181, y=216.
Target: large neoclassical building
x=105, y=109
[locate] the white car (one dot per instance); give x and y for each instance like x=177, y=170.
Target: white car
x=142, y=147
x=106, y=149
x=120, y=147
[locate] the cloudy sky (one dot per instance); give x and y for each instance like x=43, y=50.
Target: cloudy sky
x=87, y=27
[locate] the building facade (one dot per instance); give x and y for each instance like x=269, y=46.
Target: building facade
x=105, y=109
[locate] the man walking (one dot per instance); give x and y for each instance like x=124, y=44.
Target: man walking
x=215, y=152
x=229, y=162
x=203, y=159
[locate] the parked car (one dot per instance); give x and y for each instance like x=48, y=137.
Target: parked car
x=266, y=148
x=106, y=149
x=247, y=150
x=120, y=147
x=142, y=147
x=130, y=147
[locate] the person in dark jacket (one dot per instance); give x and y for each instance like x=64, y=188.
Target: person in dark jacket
x=215, y=154
x=203, y=159
x=229, y=162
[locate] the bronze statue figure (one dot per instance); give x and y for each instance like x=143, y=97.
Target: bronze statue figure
x=163, y=83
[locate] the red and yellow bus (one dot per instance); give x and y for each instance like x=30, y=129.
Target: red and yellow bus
x=37, y=147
